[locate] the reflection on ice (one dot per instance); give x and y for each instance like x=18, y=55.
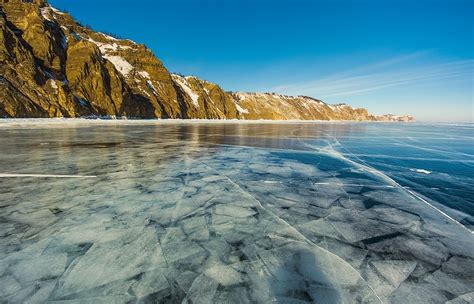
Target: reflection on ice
x=225, y=213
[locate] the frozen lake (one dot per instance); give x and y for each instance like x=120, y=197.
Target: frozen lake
x=208, y=212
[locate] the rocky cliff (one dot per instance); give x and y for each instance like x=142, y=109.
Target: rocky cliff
x=52, y=66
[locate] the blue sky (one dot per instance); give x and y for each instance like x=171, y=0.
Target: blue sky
x=390, y=56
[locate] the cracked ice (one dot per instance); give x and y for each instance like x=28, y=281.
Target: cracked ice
x=234, y=213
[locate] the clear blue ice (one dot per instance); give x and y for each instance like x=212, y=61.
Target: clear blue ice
x=208, y=212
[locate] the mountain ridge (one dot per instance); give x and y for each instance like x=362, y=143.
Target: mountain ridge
x=52, y=66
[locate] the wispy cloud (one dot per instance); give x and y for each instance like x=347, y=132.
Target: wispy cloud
x=393, y=72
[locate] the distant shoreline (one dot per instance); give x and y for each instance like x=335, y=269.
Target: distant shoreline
x=9, y=122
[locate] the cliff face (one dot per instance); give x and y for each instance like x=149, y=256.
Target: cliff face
x=282, y=107
x=51, y=66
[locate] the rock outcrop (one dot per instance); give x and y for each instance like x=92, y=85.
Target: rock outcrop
x=52, y=66
x=399, y=118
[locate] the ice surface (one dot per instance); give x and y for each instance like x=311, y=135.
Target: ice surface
x=197, y=212
x=224, y=275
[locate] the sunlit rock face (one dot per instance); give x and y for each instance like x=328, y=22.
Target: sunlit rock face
x=52, y=66
x=175, y=212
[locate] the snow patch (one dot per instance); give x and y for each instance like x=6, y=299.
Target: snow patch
x=144, y=74
x=152, y=87
x=338, y=107
x=122, y=65
x=305, y=104
x=108, y=47
x=46, y=13
x=240, y=109
x=183, y=83
x=309, y=103
x=109, y=37
x=54, y=85
x=55, y=10
x=241, y=96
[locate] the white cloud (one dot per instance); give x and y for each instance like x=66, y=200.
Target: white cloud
x=394, y=72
